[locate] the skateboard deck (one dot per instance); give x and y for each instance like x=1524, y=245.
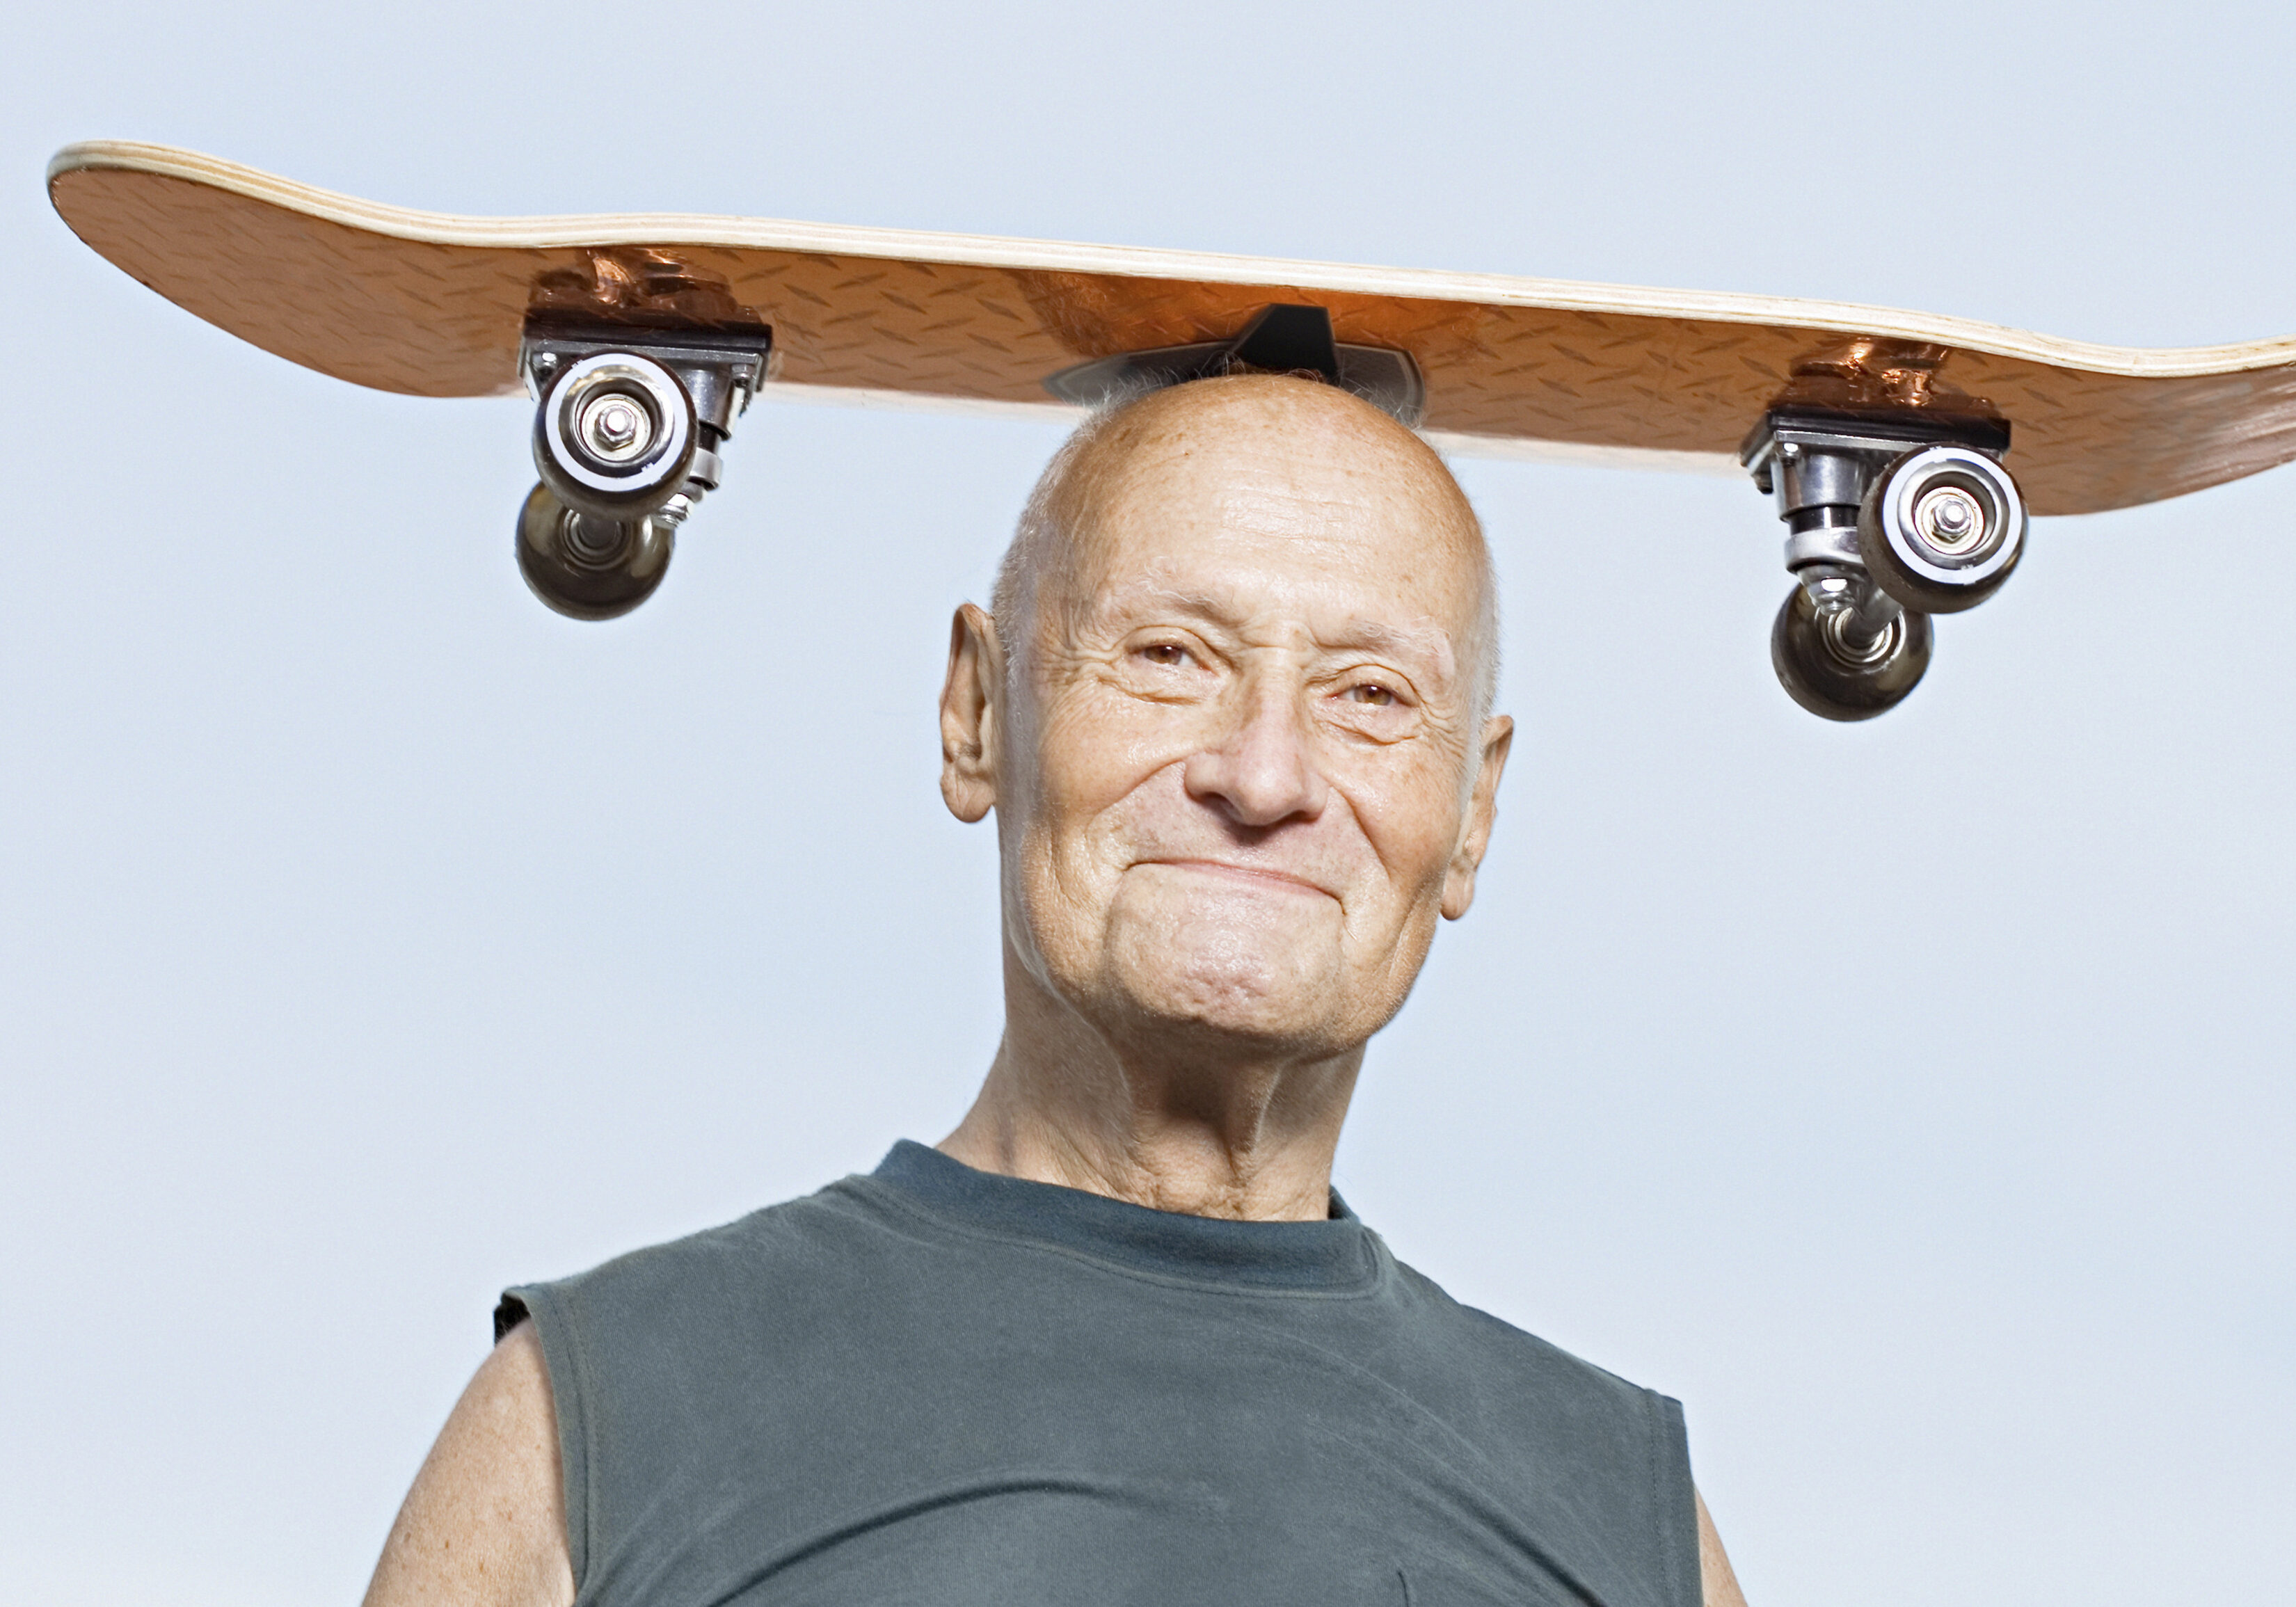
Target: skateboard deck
x=431, y=304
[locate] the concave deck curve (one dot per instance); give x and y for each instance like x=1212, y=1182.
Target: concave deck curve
x=429, y=304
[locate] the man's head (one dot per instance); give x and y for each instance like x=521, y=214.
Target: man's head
x=1232, y=712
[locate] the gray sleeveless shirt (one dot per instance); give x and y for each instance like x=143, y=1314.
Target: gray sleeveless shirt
x=936, y=1385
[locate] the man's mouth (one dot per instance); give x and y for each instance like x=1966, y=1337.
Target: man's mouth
x=1263, y=875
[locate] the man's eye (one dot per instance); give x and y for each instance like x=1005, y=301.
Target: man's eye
x=1372, y=695
x=1170, y=654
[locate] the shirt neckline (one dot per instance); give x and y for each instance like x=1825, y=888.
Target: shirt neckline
x=1335, y=1255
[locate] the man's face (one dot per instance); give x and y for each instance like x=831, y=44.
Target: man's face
x=1240, y=769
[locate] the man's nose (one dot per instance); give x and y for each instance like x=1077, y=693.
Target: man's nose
x=1260, y=769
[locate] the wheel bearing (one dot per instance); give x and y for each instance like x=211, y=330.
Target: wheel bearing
x=1941, y=529
x=1827, y=668
x=614, y=437
x=585, y=567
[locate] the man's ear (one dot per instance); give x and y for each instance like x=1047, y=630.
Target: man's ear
x=1482, y=809
x=969, y=704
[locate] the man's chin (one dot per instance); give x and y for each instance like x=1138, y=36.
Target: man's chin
x=1229, y=985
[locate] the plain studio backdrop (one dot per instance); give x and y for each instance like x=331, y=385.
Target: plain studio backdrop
x=1912, y=1100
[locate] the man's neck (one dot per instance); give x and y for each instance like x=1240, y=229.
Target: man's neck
x=1222, y=1131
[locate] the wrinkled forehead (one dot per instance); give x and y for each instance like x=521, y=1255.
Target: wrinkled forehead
x=1308, y=505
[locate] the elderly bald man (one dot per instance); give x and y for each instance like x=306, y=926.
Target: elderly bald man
x=1115, y=1339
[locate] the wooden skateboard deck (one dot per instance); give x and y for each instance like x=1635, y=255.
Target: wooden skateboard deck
x=431, y=304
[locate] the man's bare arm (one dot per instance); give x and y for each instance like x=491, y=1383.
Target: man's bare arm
x=1717, y=1583
x=485, y=1525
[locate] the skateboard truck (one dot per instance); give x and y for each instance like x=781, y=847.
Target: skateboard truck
x=1281, y=339
x=1891, y=517
x=628, y=426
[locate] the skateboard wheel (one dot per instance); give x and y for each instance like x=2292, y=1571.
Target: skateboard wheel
x=1941, y=529
x=585, y=567
x=614, y=435
x=1825, y=669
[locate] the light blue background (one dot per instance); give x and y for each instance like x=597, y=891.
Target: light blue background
x=1912, y=1100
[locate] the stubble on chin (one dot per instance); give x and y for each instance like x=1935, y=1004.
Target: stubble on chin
x=1261, y=965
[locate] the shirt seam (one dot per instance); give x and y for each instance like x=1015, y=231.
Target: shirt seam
x=550, y=1314
x=1374, y=1277
x=1688, y=1588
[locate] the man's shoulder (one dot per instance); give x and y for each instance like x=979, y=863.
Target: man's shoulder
x=1499, y=1350
x=815, y=1234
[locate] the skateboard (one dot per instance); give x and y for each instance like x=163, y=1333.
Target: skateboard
x=1904, y=451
